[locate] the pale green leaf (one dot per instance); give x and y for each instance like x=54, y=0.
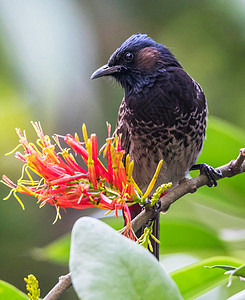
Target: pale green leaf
x=106, y=265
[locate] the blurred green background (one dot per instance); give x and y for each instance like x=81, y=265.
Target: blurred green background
x=49, y=49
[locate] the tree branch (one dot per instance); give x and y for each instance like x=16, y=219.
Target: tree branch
x=63, y=285
x=186, y=186
x=189, y=186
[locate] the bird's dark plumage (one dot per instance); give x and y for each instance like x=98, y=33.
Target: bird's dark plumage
x=163, y=114
x=164, y=111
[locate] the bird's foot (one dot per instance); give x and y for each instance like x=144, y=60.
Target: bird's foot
x=147, y=201
x=210, y=172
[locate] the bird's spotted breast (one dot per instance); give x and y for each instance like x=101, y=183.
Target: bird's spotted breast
x=156, y=130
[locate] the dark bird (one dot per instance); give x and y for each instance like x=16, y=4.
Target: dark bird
x=163, y=114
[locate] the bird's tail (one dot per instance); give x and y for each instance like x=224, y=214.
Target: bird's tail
x=134, y=211
x=156, y=233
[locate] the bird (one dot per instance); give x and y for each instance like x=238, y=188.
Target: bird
x=163, y=114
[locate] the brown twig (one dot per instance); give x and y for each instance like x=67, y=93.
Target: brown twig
x=237, y=165
x=63, y=285
x=186, y=186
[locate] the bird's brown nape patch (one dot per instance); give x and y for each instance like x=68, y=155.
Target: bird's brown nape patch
x=147, y=57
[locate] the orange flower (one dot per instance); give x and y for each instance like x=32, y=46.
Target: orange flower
x=64, y=183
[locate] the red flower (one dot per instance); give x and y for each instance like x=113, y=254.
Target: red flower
x=64, y=183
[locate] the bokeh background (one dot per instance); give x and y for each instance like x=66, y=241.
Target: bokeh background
x=49, y=49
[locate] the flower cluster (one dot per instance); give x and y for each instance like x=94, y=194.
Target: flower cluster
x=32, y=287
x=64, y=183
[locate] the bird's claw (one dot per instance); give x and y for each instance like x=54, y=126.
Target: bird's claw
x=157, y=206
x=147, y=201
x=210, y=172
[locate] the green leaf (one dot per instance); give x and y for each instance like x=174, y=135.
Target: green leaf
x=106, y=265
x=221, y=133
x=56, y=252
x=195, y=280
x=240, y=271
x=223, y=143
x=9, y=292
x=180, y=235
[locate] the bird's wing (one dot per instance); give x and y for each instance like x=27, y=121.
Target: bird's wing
x=177, y=97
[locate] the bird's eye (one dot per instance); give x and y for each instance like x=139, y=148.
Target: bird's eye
x=128, y=56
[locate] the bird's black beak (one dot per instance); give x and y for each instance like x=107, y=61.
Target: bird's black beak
x=106, y=71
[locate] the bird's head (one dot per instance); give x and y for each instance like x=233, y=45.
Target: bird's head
x=137, y=60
